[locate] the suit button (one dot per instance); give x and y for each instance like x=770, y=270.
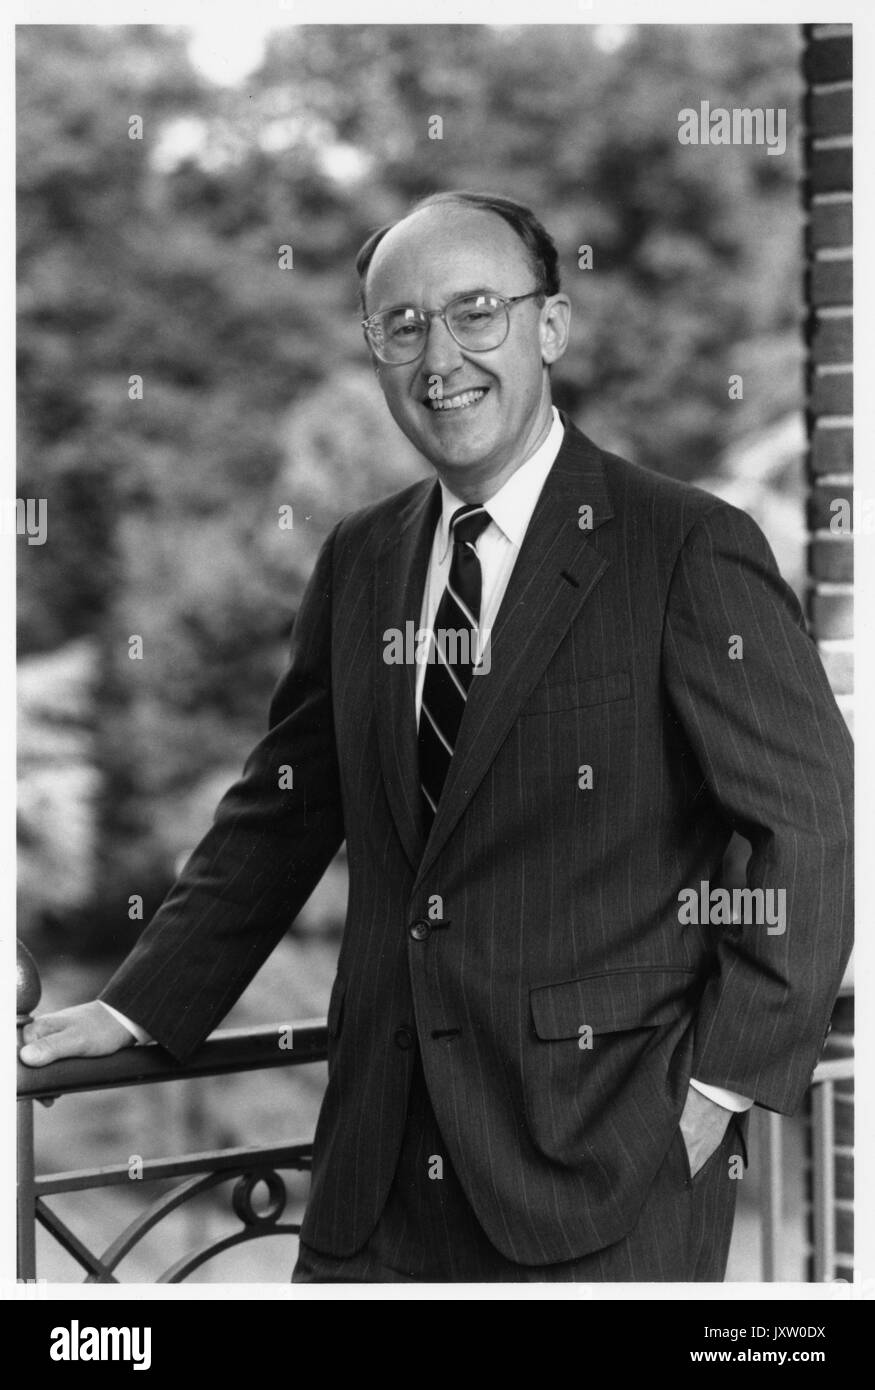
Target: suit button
x=420, y=930
x=404, y=1038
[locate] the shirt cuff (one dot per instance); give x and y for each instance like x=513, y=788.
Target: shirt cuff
x=139, y=1033
x=730, y=1100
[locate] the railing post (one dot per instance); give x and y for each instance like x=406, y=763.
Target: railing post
x=28, y=991
x=829, y=1186
x=823, y=1183
x=773, y=1193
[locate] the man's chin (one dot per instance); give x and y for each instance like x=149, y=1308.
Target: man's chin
x=456, y=449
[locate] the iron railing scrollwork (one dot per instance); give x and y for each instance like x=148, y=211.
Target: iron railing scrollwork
x=251, y=1168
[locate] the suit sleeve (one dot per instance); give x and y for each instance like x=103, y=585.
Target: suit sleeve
x=776, y=756
x=259, y=862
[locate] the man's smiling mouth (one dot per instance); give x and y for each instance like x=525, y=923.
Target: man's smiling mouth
x=460, y=401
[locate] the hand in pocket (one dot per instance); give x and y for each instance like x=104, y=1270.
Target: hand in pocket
x=703, y=1125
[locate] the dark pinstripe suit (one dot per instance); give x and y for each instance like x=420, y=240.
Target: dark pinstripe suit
x=557, y=906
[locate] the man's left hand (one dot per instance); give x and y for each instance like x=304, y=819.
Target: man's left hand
x=703, y=1125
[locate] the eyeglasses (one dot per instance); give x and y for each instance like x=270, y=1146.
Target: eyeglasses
x=478, y=321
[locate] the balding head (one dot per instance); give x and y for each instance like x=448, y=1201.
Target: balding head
x=539, y=245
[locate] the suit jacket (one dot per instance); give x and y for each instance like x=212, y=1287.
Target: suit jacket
x=536, y=906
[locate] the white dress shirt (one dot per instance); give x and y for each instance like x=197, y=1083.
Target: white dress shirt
x=498, y=546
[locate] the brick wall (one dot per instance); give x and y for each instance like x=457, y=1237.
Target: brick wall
x=827, y=64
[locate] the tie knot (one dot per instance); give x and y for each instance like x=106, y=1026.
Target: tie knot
x=468, y=523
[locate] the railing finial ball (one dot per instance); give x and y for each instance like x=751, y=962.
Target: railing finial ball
x=28, y=984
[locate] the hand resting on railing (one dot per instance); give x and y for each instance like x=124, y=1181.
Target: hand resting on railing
x=85, y=1030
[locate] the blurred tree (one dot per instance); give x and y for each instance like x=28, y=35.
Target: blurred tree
x=160, y=258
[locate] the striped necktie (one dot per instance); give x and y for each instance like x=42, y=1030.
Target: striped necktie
x=451, y=668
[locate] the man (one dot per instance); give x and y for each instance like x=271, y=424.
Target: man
x=539, y=1058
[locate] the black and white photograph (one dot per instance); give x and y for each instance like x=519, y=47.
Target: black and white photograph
x=434, y=531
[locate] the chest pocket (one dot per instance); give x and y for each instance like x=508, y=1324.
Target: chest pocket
x=593, y=690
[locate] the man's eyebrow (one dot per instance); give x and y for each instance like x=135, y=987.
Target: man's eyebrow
x=457, y=294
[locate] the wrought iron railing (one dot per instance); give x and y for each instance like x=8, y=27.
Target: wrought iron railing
x=225, y=1052
x=244, y=1050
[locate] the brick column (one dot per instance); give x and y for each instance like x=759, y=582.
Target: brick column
x=829, y=405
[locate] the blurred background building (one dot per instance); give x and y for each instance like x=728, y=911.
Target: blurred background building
x=178, y=388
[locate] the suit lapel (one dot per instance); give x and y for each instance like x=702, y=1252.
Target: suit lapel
x=400, y=582
x=556, y=571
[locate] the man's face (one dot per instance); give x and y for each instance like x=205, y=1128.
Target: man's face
x=427, y=260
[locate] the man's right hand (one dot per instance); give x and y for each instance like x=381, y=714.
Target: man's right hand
x=85, y=1030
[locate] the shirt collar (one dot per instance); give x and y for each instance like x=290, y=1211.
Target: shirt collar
x=512, y=506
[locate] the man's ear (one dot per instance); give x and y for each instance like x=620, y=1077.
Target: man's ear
x=555, y=327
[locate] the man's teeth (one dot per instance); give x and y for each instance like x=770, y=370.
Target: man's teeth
x=457, y=402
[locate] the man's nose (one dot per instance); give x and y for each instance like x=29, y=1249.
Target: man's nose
x=442, y=353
